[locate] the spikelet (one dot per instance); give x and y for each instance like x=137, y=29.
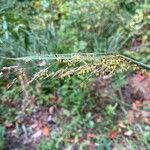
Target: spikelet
x=82, y=64
x=39, y=75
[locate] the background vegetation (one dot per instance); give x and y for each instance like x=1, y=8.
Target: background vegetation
x=43, y=27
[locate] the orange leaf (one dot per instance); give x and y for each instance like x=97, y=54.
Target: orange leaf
x=113, y=135
x=46, y=131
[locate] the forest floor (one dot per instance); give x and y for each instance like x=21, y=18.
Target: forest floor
x=130, y=129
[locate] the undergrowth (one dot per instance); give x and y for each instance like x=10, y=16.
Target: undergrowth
x=52, y=51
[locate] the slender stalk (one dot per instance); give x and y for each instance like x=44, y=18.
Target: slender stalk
x=71, y=55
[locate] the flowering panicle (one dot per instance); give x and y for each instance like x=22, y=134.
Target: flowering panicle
x=82, y=64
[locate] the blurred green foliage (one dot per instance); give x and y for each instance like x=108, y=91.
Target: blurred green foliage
x=2, y=138
x=61, y=26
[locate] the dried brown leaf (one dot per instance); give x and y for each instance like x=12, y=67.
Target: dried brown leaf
x=121, y=124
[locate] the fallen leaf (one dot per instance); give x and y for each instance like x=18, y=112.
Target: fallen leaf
x=131, y=118
x=113, y=134
x=54, y=99
x=46, y=131
x=128, y=133
x=52, y=109
x=119, y=130
x=37, y=134
x=137, y=115
x=91, y=146
x=139, y=86
x=147, y=121
x=145, y=114
x=140, y=76
x=91, y=135
x=121, y=124
x=36, y=125
x=70, y=140
x=136, y=105
x=14, y=132
x=146, y=103
x=136, y=136
x=98, y=118
x=49, y=119
x=8, y=124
